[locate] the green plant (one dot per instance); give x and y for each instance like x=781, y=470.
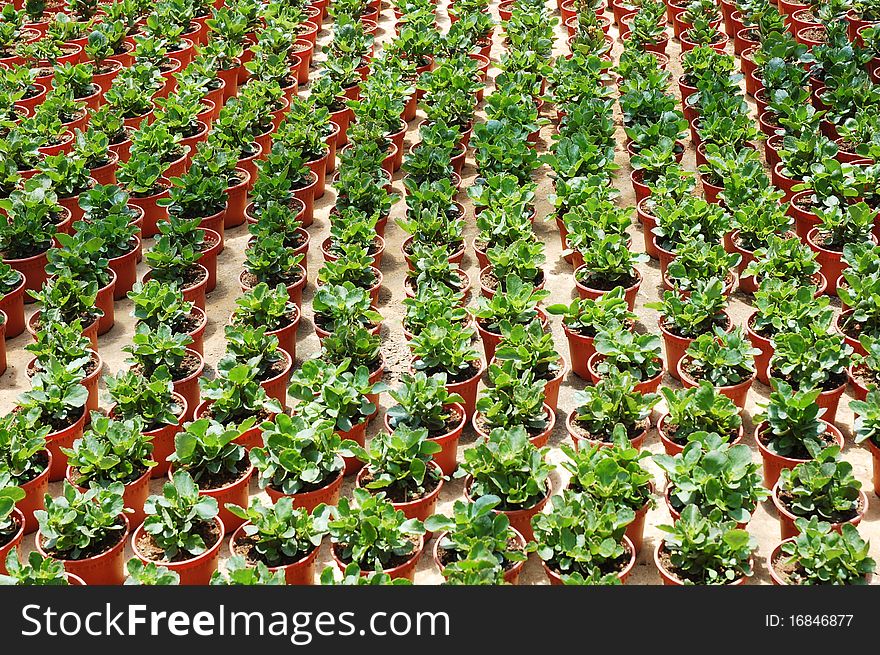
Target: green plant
x=207, y=451
x=178, y=519
x=587, y=316
x=705, y=550
x=698, y=261
x=476, y=528
x=628, y=352
x=699, y=313
x=518, y=304
x=371, y=533
x=444, y=347
x=280, y=534
x=820, y=556
x=37, y=570
x=236, y=395
x=794, y=428
x=515, y=399
x=240, y=572
x=253, y=347
x=824, y=488
x=786, y=306
x=506, y=464
x=352, y=575
x=785, y=258
x=64, y=343
x=149, y=574
x=810, y=357
x=146, y=400
x=719, y=479
x=264, y=305
x=610, y=474
x=422, y=402
x=323, y=391
x=613, y=401
x=153, y=351
x=157, y=303
x=22, y=448
x=9, y=495
x=723, y=359
x=78, y=525
x=582, y=536
x=298, y=455
x=110, y=451
x=56, y=398
x=399, y=463
x=700, y=409
x=867, y=425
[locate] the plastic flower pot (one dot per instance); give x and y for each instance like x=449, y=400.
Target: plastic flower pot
x=774, y=464
x=134, y=494
x=14, y=541
x=124, y=268
x=276, y=386
x=738, y=393
x=33, y=271
x=852, y=342
x=195, y=291
x=857, y=381
x=670, y=579
x=104, y=302
x=299, y=572
x=828, y=400
x=645, y=386
x=511, y=572
x=780, y=579
x=213, y=245
x=580, y=441
x=106, y=174
x=555, y=577
x=106, y=568
x=830, y=261
x=629, y=294
x=90, y=331
x=520, y=519
x=237, y=199
x=447, y=458
x=12, y=306
x=35, y=491
x=420, y=508
x=188, y=387
x=307, y=195
x=378, y=248
x=358, y=434
x=406, y=570
x=287, y=336
x=153, y=213
x=162, y=439
x=787, y=527
x=235, y=492
x=672, y=447
x=538, y=440
x=192, y=571
x=327, y=494
x=580, y=349
x=63, y=438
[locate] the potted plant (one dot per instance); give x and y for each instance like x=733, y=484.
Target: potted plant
x=615, y=474
x=87, y=532
x=819, y=555
x=162, y=351
x=178, y=264
x=181, y=236
x=12, y=521
x=810, y=358
x=149, y=575
x=445, y=347
x=514, y=399
x=181, y=531
x=580, y=536
x=113, y=451
x=507, y=465
x=530, y=349
x=724, y=359
x=27, y=235
x=12, y=285
x=37, y=570
x=715, y=476
x=517, y=305
x=158, y=303
x=612, y=401
x=628, y=352
x=786, y=258
x=391, y=543
x=790, y=430
x=153, y=404
x=25, y=459
x=269, y=260
x=260, y=351
x=695, y=410
x=301, y=459
x=683, y=319
x=235, y=398
x=142, y=177
x=839, y=226
x=824, y=488
x=704, y=550
x=399, y=464
x=608, y=263
x=474, y=531
x=322, y=391
x=281, y=537
x=582, y=320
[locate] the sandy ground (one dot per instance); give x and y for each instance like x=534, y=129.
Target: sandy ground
x=560, y=283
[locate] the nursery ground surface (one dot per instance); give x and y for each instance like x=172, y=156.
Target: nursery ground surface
x=560, y=282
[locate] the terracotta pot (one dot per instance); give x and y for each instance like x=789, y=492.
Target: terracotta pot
x=511, y=574
x=235, y=205
x=208, y=257
x=670, y=579
x=300, y=572
x=406, y=570
x=106, y=174
x=153, y=213
x=309, y=500
x=307, y=195
x=673, y=448
x=63, y=438
x=194, y=293
x=12, y=305
x=629, y=293
x=276, y=387
x=107, y=568
x=580, y=349
x=319, y=168
x=581, y=442
x=294, y=290
x=124, y=269
x=420, y=508
x=787, y=527
x=14, y=542
x=738, y=393
x=520, y=519
x=188, y=387
x=774, y=464
x=358, y=434
x=675, y=347
x=163, y=439
x=447, y=458
x=194, y=571
x=830, y=261
x=33, y=270
x=104, y=302
x=539, y=440
x=35, y=491
x=556, y=579
x=287, y=336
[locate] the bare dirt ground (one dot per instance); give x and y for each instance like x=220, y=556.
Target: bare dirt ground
x=763, y=526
